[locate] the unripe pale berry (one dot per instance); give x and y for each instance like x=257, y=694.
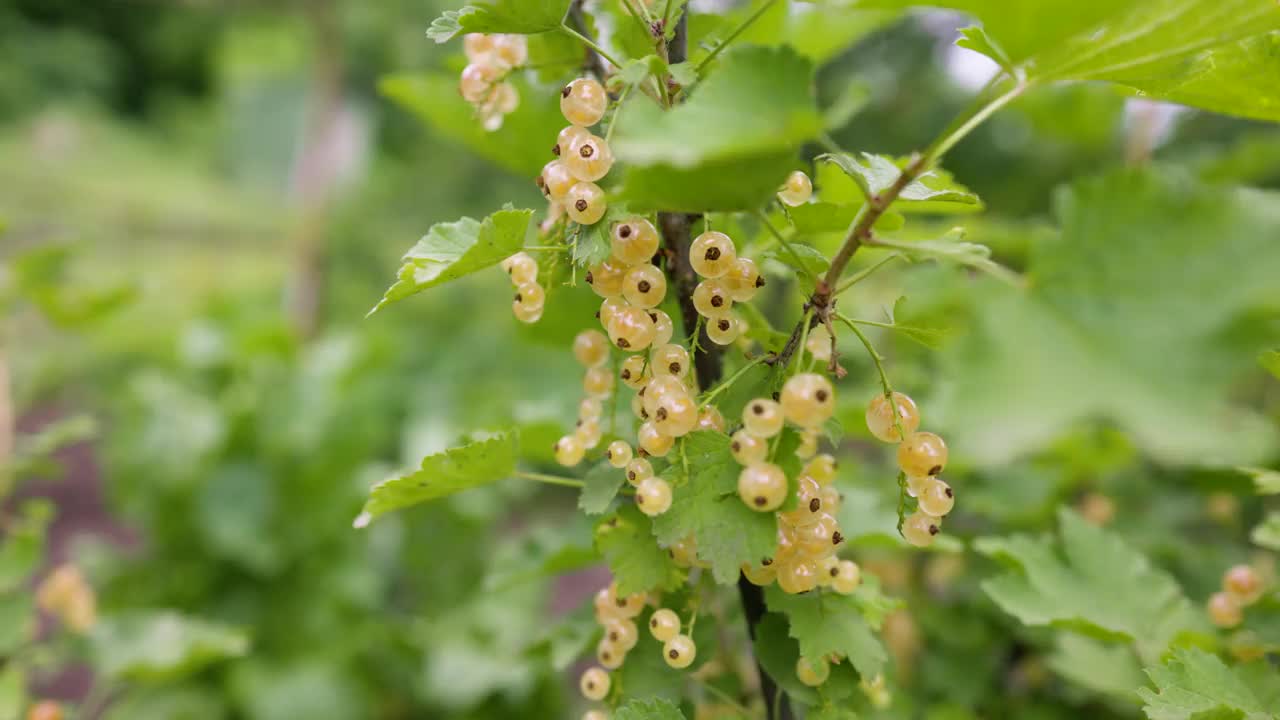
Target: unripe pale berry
x=585, y=203
x=653, y=496
x=819, y=344
x=684, y=552
x=748, y=449
x=478, y=47
x=712, y=254
x=679, y=651
x=762, y=417
x=796, y=190
x=922, y=453
x=1243, y=584
x=583, y=102
x=760, y=575
x=605, y=278
x=591, y=348
x=476, y=80
x=638, y=470
x=743, y=279
x=622, y=632
x=762, y=486
x=610, y=655
x=653, y=440
x=808, y=444
x=569, y=451
x=724, y=330
x=644, y=286
x=521, y=267
x=594, y=684
x=589, y=158
x=709, y=418
x=712, y=300
x=631, y=328
x=664, y=624
x=821, y=468
x=846, y=578
x=598, y=382
x=663, y=328
x=555, y=181
x=676, y=415
x=1224, y=610
x=919, y=529
x=813, y=673
x=936, y=497
x=634, y=241
x=671, y=359
x=880, y=416
x=797, y=575
x=618, y=453
x=808, y=400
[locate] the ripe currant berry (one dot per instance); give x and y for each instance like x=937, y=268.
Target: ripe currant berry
x=830, y=499
x=590, y=408
x=608, y=309
x=628, y=606
x=808, y=444
x=813, y=672
x=797, y=575
x=583, y=102
x=653, y=441
x=919, y=529
x=588, y=433
x=653, y=496
x=762, y=486
x=808, y=400
x=476, y=80
x=1224, y=610
x=664, y=624
x=510, y=51
x=663, y=328
x=569, y=451
x=761, y=575
x=610, y=655
x=555, y=181
x=503, y=99
x=521, y=267
x=605, y=279
x=1243, y=584
x=598, y=382
x=585, y=203
x=936, y=497
x=622, y=632
x=594, y=684
x=847, y=577
x=644, y=286
x=631, y=328
x=671, y=360
x=709, y=418
x=634, y=372
x=819, y=537
x=676, y=415
x=762, y=417
x=724, y=330
x=743, y=280
x=819, y=344
x=922, y=453
x=679, y=651
x=591, y=348
x=880, y=416
x=712, y=254
x=748, y=449
x=589, y=158
x=659, y=388
x=478, y=47
x=796, y=190
x=530, y=294
x=638, y=470
x=566, y=139
x=712, y=299
x=634, y=241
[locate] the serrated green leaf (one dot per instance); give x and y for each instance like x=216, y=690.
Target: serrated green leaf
x=653, y=709
x=1194, y=685
x=976, y=39
x=935, y=191
x=705, y=504
x=151, y=646
x=1090, y=580
x=1095, y=665
x=594, y=243
x=443, y=474
x=521, y=17
x=1270, y=361
x=951, y=247
x=599, y=488
x=810, y=259
x=1267, y=533
x=453, y=250
x=443, y=28
x=626, y=540
x=825, y=623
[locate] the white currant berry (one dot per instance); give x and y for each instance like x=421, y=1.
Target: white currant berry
x=762, y=417
x=605, y=279
x=610, y=655
x=521, y=267
x=663, y=328
x=712, y=254
x=628, y=606
x=594, y=684
x=676, y=415
x=638, y=470
x=922, y=453
x=796, y=190
x=830, y=498
x=813, y=672
x=591, y=348
x=710, y=418
x=917, y=483
x=684, y=552
x=634, y=372
x=585, y=203
x=588, y=433
x=530, y=294
x=679, y=651
x=588, y=158
x=936, y=498
x=808, y=444
x=1224, y=610
x=819, y=537
x=748, y=449
x=503, y=99
x=797, y=575
x=490, y=120
x=808, y=400
x=605, y=608
x=527, y=312
x=510, y=50
x=478, y=47
x=631, y=328
x=569, y=451
x=880, y=416
x=595, y=715
x=644, y=286
x=590, y=409
x=583, y=102
x=566, y=139
x=618, y=453
x=712, y=300
x=556, y=181
x=671, y=360
x=476, y=80
x=598, y=382
x=653, y=496
x=653, y=441
x=664, y=624
x=659, y=388
x=762, y=486
x=919, y=529
x=743, y=279
x=846, y=578
x=724, y=330
x=634, y=241
x=1243, y=583
x=622, y=632
x=760, y=575
x=819, y=344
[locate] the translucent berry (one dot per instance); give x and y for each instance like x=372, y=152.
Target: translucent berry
x=712, y=254
x=634, y=241
x=638, y=470
x=664, y=624
x=808, y=400
x=598, y=382
x=609, y=308
x=846, y=578
x=748, y=449
x=922, y=453
x=610, y=655
x=510, y=50
x=710, y=418
x=634, y=372
x=819, y=344
x=644, y=286
x=622, y=632
x=594, y=684
x=1224, y=610
x=762, y=417
x=521, y=267
x=880, y=417
x=936, y=498
x=1243, y=584
x=813, y=672
x=566, y=139
x=663, y=328
x=583, y=102
x=743, y=279
x=684, y=552
x=819, y=537
x=476, y=80
x=808, y=444
x=712, y=299
x=591, y=348
x=919, y=529
x=556, y=181
x=478, y=47
x=830, y=499
x=821, y=468
x=653, y=496
x=605, y=278
x=796, y=190
x=628, y=606
x=661, y=386
x=530, y=295
x=797, y=575
x=590, y=409
x=724, y=330
x=631, y=328
x=588, y=158
x=654, y=441
x=569, y=451
x=527, y=313
x=671, y=360
x=761, y=575
x=585, y=203
x=679, y=651
x=502, y=100
x=762, y=486
x=588, y=433
x=676, y=415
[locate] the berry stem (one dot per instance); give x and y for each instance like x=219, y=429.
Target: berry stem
x=764, y=219
x=737, y=375
x=734, y=35
x=599, y=52
x=867, y=272
x=549, y=479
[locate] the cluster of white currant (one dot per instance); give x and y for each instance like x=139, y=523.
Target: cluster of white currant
x=582, y=158
x=807, y=401
x=1241, y=587
x=530, y=297
x=727, y=279
x=921, y=457
x=490, y=58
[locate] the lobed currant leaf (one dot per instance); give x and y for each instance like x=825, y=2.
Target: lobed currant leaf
x=826, y=622
x=625, y=539
x=1194, y=684
x=443, y=474
x=1099, y=666
x=934, y=191
x=653, y=709
x=522, y=17
x=599, y=488
x=976, y=39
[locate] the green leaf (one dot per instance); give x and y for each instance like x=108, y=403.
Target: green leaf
x=952, y=248
x=705, y=504
x=522, y=17
x=600, y=487
x=654, y=709
x=161, y=645
x=1270, y=361
x=812, y=258
x=1089, y=580
x=23, y=547
x=452, y=250
x=626, y=541
x=677, y=159
x=935, y=191
x=594, y=243
x=1267, y=533
x=825, y=623
x=446, y=26
x=1265, y=482
x=852, y=100
x=443, y=474
x=976, y=39
x=1096, y=666
x=13, y=693
x=1194, y=685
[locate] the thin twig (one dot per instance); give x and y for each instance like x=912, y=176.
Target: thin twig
x=549, y=479
x=734, y=35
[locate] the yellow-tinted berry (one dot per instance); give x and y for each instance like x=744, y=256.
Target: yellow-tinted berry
x=1224, y=610
x=45, y=710
x=605, y=278
x=594, y=684
x=808, y=444
x=743, y=279
x=676, y=415
x=591, y=348
x=598, y=382
x=556, y=181
x=846, y=578
x=684, y=552
x=712, y=300
x=569, y=451
x=606, y=609
x=819, y=537
x=762, y=486
x=476, y=80
x=724, y=330
x=919, y=529
x=567, y=137
x=588, y=433
x=813, y=672
x=589, y=158
x=659, y=388
x=797, y=575
x=503, y=99
x=664, y=624
x=653, y=440
x=510, y=50
x=671, y=359
x=521, y=267
x=618, y=453
x=663, y=328
x=590, y=409
x=609, y=308
x=762, y=417
x=880, y=417
x=821, y=468
x=936, y=497
x=709, y=418
x=610, y=655
x=631, y=328
x=922, y=453
x=808, y=400
x=585, y=203
x=679, y=651
x=628, y=606
x=638, y=470
x=644, y=286
x=819, y=344
x=527, y=313
x=653, y=496
x=634, y=372
x=530, y=295
x=583, y=102
x=634, y=241
x=796, y=190
x=1243, y=584
x=478, y=47
x=748, y=449
x=595, y=715
x=760, y=575
x=622, y=632
x=712, y=254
